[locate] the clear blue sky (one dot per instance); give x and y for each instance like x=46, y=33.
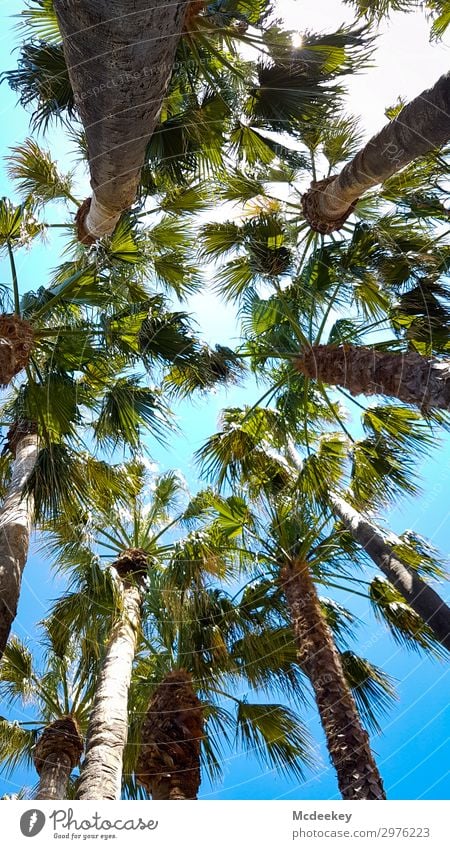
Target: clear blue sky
x=412, y=752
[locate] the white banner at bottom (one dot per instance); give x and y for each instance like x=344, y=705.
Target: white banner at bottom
x=227, y=825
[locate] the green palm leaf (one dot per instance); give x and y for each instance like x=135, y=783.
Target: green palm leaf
x=35, y=173
x=275, y=735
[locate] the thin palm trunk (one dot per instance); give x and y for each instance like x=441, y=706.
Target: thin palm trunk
x=347, y=741
x=169, y=757
x=413, y=379
x=55, y=755
x=101, y=771
x=16, y=518
x=421, y=126
x=419, y=595
x=120, y=56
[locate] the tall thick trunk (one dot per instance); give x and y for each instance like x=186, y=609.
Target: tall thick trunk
x=169, y=757
x=120, y=55
x=55, y=755
x=421, y=126
x=15, y=527
x=409, y=377
x=419, y=595
x=347, y=741
x=101, y=771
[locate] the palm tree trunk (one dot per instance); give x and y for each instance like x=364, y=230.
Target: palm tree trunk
x=411, y=378
x=169, y=758
x=347, y=741
x=419, y=595
x=55, y=755
x=120, y=55
x=101, y=771
x=421, y=126
x=165, y=791
x=15, y=527
x=54, y=777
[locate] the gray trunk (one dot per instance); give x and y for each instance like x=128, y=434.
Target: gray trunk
x=15, y=528
x=54, y=777
x=421, y=126
x=411, y=378
x=120, y=55
x=101, y=771
x=419, y=595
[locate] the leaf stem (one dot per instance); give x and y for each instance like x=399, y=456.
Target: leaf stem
x=14, y=279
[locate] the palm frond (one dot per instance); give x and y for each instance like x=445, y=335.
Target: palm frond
x=35, y=173
x=38, y=20
x=126, y=409
x=405, y=625
x=42, y=80
x=372, y=688
x=276, y=736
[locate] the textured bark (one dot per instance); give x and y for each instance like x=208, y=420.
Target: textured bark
x=101, y=771
x=421, y=126
x=120, y=56
x=55, y=755
x=419, y=595
x=15, y=527
x=413, y=379
x=16, y=343
x=347, y=741
x=169, y=757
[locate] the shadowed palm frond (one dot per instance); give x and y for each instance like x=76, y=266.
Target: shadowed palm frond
x=372, y=688
x=42, y=81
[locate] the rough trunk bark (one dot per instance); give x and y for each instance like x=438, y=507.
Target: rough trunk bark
x=347, y=741
x=54, y=777
x=101, y=771
x=419, y=595
x=15, y=528
x=169, y=758
x=421, y=126
x=55, y=755
x=165, y=790
x=411, y=378
x=120, y=57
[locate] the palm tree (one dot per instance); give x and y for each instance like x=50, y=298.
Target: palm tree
x=293, y=547
x=420, y=127
x=60, y=693
x=408, y=376
x=134, y=542
x=291, y=543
